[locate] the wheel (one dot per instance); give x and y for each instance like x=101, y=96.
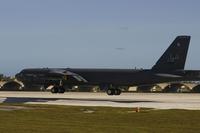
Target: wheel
x=61, y=90
x=110, y=91
x=54, y=90
x=117, y=92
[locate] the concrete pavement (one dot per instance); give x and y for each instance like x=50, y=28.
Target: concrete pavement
x=147, y=100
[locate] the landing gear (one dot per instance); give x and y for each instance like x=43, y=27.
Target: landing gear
x=61, y=90
x=113, y=92
x=54, y=90
x=58, y=89
x=110, y=92
x=117, y=92
x=111, y=89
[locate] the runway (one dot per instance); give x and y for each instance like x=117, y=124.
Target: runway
x=130, y=100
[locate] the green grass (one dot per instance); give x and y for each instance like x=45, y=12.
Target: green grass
x=69, y=119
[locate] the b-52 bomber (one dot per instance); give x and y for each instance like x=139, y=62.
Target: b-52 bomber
x=169, y=68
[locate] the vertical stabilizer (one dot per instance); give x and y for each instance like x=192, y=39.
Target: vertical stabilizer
x=175, y=56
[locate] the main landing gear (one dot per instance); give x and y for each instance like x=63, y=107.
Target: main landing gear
x=58, y=89
x=113, y=91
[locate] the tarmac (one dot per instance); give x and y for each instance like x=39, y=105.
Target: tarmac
x=187, y=101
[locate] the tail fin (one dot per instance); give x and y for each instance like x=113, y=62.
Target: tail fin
x=174, y=57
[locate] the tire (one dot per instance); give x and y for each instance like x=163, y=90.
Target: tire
x=61, y=90
x=54, y=90
x=110, y=92
x=117, y=92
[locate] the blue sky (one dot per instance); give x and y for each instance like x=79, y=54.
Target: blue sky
x=94, y=33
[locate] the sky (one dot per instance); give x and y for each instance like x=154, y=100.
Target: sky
x=94, y=33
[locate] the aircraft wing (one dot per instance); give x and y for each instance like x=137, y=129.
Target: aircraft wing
x=66, y=73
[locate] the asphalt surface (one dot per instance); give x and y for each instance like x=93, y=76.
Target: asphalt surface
x=148, y=100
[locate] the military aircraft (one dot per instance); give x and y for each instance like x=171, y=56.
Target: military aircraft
x=170, y=67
